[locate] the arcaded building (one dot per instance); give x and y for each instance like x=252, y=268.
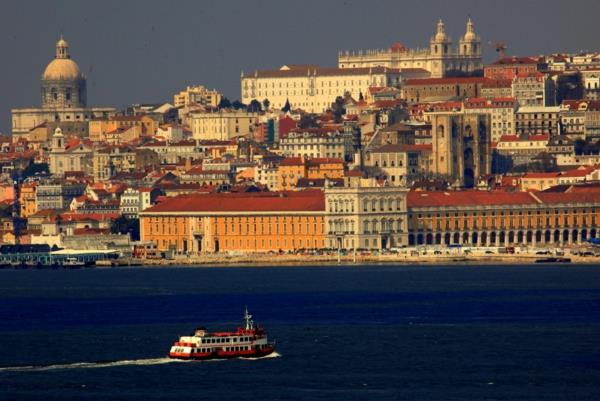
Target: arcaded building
x=556, y=217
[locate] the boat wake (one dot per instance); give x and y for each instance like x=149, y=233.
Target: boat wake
x=112, y=364
x=271, y=355
x=91, y=365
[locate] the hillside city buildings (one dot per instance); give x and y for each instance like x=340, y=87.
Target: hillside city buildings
x=390, y=148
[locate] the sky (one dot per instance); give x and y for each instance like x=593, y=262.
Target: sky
x=146, y=51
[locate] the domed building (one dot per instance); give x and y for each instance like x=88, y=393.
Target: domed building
x=63, y=84
x=64, y=102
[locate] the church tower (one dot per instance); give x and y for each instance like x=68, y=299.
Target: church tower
x=470, y=49
x=58, y=141
x=440, y=48
x=470, y=44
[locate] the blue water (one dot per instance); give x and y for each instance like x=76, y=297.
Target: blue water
x=343, y=333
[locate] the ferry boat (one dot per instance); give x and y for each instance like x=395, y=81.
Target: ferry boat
x=249, y=341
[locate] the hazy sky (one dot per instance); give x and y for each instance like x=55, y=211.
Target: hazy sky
x=145, y=51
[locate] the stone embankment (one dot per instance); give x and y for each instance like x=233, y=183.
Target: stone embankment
x=333, y=259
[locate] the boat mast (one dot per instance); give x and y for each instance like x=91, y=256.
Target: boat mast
x=248, y=319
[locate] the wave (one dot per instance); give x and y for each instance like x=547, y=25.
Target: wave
x=111, y=364
x=91, y=365
x=271, y=355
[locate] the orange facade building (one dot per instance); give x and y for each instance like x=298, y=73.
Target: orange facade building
x=27, y=199
x=243, y=222
x=291, y=169
x=496, y=218
x=371, y=218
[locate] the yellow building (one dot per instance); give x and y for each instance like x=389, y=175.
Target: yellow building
x=198, y=95
x=27, y=199
x=246, y=222
x=134, y=126
x=222, y=124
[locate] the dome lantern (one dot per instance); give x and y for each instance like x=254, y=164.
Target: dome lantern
x=62, y=48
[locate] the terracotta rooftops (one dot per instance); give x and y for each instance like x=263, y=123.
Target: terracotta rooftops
x=418, y=199
x=285, y=201
x=515, y=60
x=468, y=198
x=398, y=148
x=516, y=138
x=497, y=83
x=444, y=81
x=314, y=161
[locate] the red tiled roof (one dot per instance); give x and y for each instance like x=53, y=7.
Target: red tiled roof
x=516, y=138
x=468, y=198
x=497, y=83
x=398, y=148
x=541, y=175
x=285, y=201
x=74, y=216
x=444, y=81
x=515, y=60
x=503, y=99
x=580, y=171
x=416, y=199
x=569, y=197
x=292, y=161
x=387, y=103
x=84, y=231
x=574, y=104
x=354, y=173
x=324, y=160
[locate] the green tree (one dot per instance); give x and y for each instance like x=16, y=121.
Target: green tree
x=266, y=104
x=254, y=106
x=123, y=225
x=307, y=121
x=238, y=105
x=286, y=108
x=338, y=109
x=224, y=103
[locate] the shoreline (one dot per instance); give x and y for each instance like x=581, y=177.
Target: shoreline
x=255, y=260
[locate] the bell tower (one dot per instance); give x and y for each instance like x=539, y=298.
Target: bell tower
x=440, y=49
x=470, y=44
x=58, y=140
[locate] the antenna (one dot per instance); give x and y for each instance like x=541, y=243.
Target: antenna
x=248, y=319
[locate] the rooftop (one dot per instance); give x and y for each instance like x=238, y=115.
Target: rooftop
x=285, y=201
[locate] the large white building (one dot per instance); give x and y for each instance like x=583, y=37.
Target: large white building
x=440, y=59
x=314, y=89
x=365, y=215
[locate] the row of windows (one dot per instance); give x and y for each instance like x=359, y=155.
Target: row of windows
x=222, y=340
